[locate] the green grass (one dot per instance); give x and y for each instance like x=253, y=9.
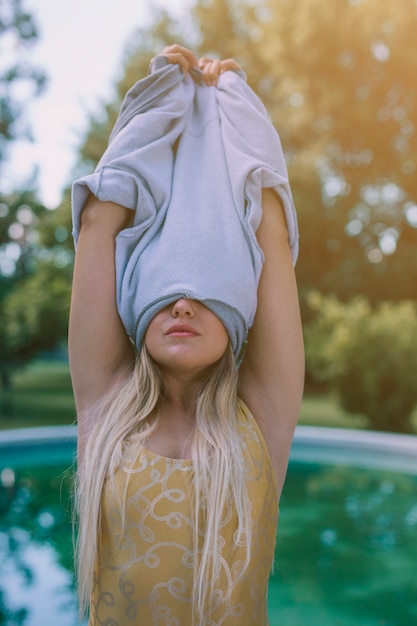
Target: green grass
x=42, y=396
x=324, y=410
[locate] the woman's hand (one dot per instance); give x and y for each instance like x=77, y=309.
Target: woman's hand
x=178, y=55
x=212, y=68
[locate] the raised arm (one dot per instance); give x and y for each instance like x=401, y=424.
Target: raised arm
x=101, y=355
x=272, y=372
x=100, y=352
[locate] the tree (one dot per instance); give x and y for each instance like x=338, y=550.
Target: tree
x=19, y=79
x=19, y=252
x=368, y=355
x=20, y=211
x=36, y=259
x=337, y=80
x=36, y=247
x=342, y=92
x=36, y=312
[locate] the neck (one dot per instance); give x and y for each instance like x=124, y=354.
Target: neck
x=180, y=397
x=176, y=420
x=181, y=390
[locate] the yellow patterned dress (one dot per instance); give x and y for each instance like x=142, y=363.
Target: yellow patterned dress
x=145, y=578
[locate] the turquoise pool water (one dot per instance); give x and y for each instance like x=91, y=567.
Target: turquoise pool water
x=346, y=549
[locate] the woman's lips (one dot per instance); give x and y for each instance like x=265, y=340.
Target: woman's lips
x=181, y=330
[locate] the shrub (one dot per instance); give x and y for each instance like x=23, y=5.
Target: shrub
x=369, y=356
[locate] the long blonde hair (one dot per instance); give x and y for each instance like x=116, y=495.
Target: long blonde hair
x=124, y=420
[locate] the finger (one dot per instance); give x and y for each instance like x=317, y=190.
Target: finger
x=175, y=58
x=203, y=62
x=229, y=64
x=180, y=55
x=211, y=72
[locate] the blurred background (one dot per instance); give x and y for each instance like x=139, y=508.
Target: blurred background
x=338, y=80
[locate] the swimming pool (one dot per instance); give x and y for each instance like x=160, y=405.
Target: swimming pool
x=346, y=548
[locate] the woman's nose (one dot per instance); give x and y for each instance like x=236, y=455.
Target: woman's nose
x=182, y=308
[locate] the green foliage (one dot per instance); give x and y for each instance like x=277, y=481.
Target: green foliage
x=19, y=250
x=20, y=214
x=18, y=33
x=340, y=92
x=338, y=85
x=35, y=313
x=368, y=355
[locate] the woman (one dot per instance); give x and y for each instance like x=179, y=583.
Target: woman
x=179, y=483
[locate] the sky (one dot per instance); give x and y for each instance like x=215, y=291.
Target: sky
x=81, y=49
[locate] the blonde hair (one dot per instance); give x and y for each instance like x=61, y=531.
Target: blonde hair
x=123, y=422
